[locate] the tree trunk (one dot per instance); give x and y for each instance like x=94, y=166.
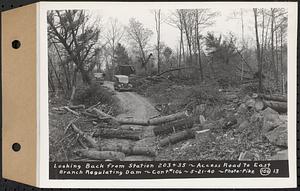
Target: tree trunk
x=188, y=38
x=67, y=74
x=55, y=73
x=258, y=50
x=272, y=45
x=51, y=83
x=281, y=63
x=198, y=46
x=157, y=22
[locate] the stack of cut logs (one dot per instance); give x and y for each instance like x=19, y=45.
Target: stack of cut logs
x=178, y=125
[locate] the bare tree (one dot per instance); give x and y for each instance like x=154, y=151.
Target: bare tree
x=140, y=36
x=175, y=20
x=203, y=19
x=70, y=29
x=114, y=34
x=157, y=15
x=258, y=50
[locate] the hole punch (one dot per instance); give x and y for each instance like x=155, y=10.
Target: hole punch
x=16, y=44
x=16, y=147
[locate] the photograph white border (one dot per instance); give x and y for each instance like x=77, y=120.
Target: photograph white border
x=43, y=126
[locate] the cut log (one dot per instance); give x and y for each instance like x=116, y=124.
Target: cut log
x=177, y=137
x=168, y=118
x=117, y=133
x=173, y=126
x=279, y=98
x=131, y=149
x=148, y=151
x=100, y=155
x=280, y=107
x=132, y=121
x=85, y=136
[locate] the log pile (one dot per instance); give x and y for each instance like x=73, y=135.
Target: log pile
x=109, y=128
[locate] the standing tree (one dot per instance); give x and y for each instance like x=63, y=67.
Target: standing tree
x=258, y=51
x=157, y=15
x=140, y=37
x=176, y=20
x=203, y=18
x=70, y=28
x=121, y=56
x=114, y=35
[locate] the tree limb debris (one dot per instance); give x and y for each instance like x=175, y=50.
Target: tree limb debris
x=71, y=111
x=85, y=136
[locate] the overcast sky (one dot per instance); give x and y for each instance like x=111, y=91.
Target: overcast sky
x=170, y=34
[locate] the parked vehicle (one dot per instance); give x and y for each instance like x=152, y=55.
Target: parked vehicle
x=121, y=83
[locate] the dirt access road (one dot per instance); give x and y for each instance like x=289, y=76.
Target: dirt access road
x=133, y=105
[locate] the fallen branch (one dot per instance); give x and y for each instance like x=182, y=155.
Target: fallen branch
x=93, y=106
x=71, y=111
x=85, y=136
x=101, y=114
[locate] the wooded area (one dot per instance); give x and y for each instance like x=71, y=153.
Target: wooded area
x=80, y=44
x=212, y=90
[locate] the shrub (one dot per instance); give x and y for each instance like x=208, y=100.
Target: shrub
x=92, y=95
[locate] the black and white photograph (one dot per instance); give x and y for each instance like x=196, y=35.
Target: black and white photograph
x=167, y=84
